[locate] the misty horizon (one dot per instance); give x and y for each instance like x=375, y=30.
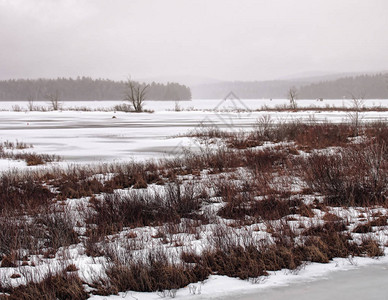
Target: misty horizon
x=192, y=80
x=220, y=40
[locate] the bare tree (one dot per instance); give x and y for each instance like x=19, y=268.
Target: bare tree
x=135, y=94
x=355, y=116
x=30, y=104
x=292, y=94
x=177, y=106
x=53, y=99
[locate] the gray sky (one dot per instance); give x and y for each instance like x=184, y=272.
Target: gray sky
x=223, y=39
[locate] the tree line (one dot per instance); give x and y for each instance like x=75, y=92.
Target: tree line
x=364, y=86
x=85, y=88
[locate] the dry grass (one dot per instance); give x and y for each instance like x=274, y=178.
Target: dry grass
x=54, y=286
x=267, y=187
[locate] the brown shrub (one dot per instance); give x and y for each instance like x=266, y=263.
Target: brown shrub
x=235, y=262
x=264, y=160
x=71, y=268
x=353, y=177
x=150, y=275
x=70, y=188
x=378, y=131
x=363, y=228
x=60, y=286
x=271, y=208
x=367, y=227
x=371, y=247
x=330, y=241
x=8, y=261
x=116, y=211
x=250, y=261
x=325, y=135
x=22, y=193
x=17, y=233
x=58, y=230
x=315, y=251
x=380, y=221
x=329, y=217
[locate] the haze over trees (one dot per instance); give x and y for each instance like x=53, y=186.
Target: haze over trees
x=85, y=88
x=367, y=86
x=371, y=86
x=244, y=89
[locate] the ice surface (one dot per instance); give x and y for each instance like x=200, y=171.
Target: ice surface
x=367, y=282
x=198, y=104
x=101, y=136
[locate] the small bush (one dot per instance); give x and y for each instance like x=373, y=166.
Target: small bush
x=17, y=193
x=367, y=227
x=123, y=107
x=116, y=211
x=355, y=176
x=8, y=261
x=62, y=286
x=58, y=229
x=371, y=247
x=152, y=274
x=330, y=241
x=71, y=268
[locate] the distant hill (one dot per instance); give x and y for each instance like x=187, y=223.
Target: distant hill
x=365, y=86
x=245, y=89
x=317, y=76
x=373, y=86
x=85, y=88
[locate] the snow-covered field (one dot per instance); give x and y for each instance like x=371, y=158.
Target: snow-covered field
x=103, y=135
x=198, y=104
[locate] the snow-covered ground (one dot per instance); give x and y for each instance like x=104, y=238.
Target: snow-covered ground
x=106, y=136
x=198, y=104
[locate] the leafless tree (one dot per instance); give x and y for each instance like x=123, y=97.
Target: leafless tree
x=30, y=104
x=292, y=94
x=53, y=99
x=355, y=116
x=177, y=106
x=135, y=94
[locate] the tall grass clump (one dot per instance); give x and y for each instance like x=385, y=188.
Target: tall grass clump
x=355, y=176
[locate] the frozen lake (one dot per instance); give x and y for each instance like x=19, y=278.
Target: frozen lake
x=100, y=136
x=209, y=104
x=368, y=282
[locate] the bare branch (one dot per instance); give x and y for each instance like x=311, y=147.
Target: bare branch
x=53, y=99
x=135, y=94
x=292, y=94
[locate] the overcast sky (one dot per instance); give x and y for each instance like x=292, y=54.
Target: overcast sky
x=222, y=39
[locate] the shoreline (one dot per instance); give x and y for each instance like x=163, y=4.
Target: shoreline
x=277, y=283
